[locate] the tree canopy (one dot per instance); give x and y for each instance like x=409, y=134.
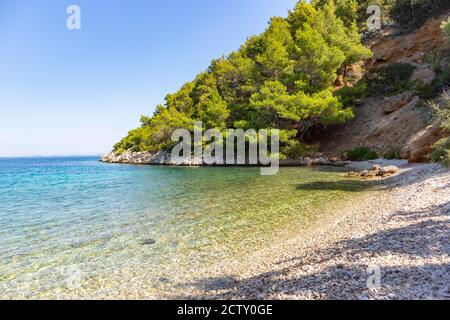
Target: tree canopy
x=280, y=79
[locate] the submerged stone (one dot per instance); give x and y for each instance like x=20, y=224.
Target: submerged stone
x=147, y=242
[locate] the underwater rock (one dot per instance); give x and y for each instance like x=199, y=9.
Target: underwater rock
x=147, y=242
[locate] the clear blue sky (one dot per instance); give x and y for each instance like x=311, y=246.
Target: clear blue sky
x=78, y=92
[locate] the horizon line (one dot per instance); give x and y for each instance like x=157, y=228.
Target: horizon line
x=51, y=156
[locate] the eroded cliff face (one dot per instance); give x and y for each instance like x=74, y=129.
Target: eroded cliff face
x=401, y=122
x=410, y=48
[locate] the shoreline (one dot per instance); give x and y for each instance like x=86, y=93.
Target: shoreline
x=163, y=158
x=402, y=230
x=401, y=226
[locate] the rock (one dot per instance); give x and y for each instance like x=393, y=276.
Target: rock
x=306, y=161
x=147, y=242
x=376, y=171
x=389, y=170
x=424, y=74
x=391, y=104
x=159, y=158
x=365, y=173
x=374, y=129
x=408, y=48
x=419, y=146
x=321, y=161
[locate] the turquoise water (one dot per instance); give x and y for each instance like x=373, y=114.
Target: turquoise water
x=58, y=215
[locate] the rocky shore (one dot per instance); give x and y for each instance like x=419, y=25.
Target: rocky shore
x=164, y=158
x=365, y=169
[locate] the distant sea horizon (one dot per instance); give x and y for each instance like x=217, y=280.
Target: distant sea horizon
x=53, y=156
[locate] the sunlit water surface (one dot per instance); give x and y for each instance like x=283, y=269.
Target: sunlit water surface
x=66, y=220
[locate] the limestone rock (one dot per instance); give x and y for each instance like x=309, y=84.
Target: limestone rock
x=376, y=171
x=419, y=146
x=159, y=158
x=409, y=48
x=391, y=104
x=424, y=74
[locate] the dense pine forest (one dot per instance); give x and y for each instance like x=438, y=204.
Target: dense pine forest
x=284, y=78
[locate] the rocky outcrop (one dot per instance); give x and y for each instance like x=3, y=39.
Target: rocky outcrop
x=419, y=146
x=372, y=127
x=159, y=158
x=399, y=123
x=391, y=104
x=376, y=171
x=164, y=158
x=424, y=74
x=409, y=48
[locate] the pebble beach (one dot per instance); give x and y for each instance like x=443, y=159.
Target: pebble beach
x=392, y=242
x=401, y=234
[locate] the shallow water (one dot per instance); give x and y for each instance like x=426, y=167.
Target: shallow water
x=68, y=220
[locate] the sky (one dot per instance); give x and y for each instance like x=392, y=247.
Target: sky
x=77, y=92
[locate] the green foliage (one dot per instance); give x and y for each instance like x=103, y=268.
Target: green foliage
x=390, y=80
x=433, y=89
x=412, y=14
x=384, y=5
x=405, y=14
x=347, y=39
x=274, y=107
x=446, y=30
x=317, y=61
x=209, y=108
x=442, y=79
x=154, y=135
x=392, y=154
x=282, y=78
x=346, y=10
x=348, y=96
x=441, y=152
x=361, y=154
x=443, y=112
x=301, y=15
x=294, y=149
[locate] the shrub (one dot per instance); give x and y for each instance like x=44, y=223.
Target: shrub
x=441, y=108
x=390, y=80
x=295, y=149
x=439, y=83
x=444, y=112
x=349, y=95
x=441, y=152
x=410, y=15
x=281, y=78
x=392, y=154
x=446, y=30
x=361, y=154
x=426, y=91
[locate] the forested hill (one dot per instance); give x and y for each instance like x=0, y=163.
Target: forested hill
x=284, y=78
